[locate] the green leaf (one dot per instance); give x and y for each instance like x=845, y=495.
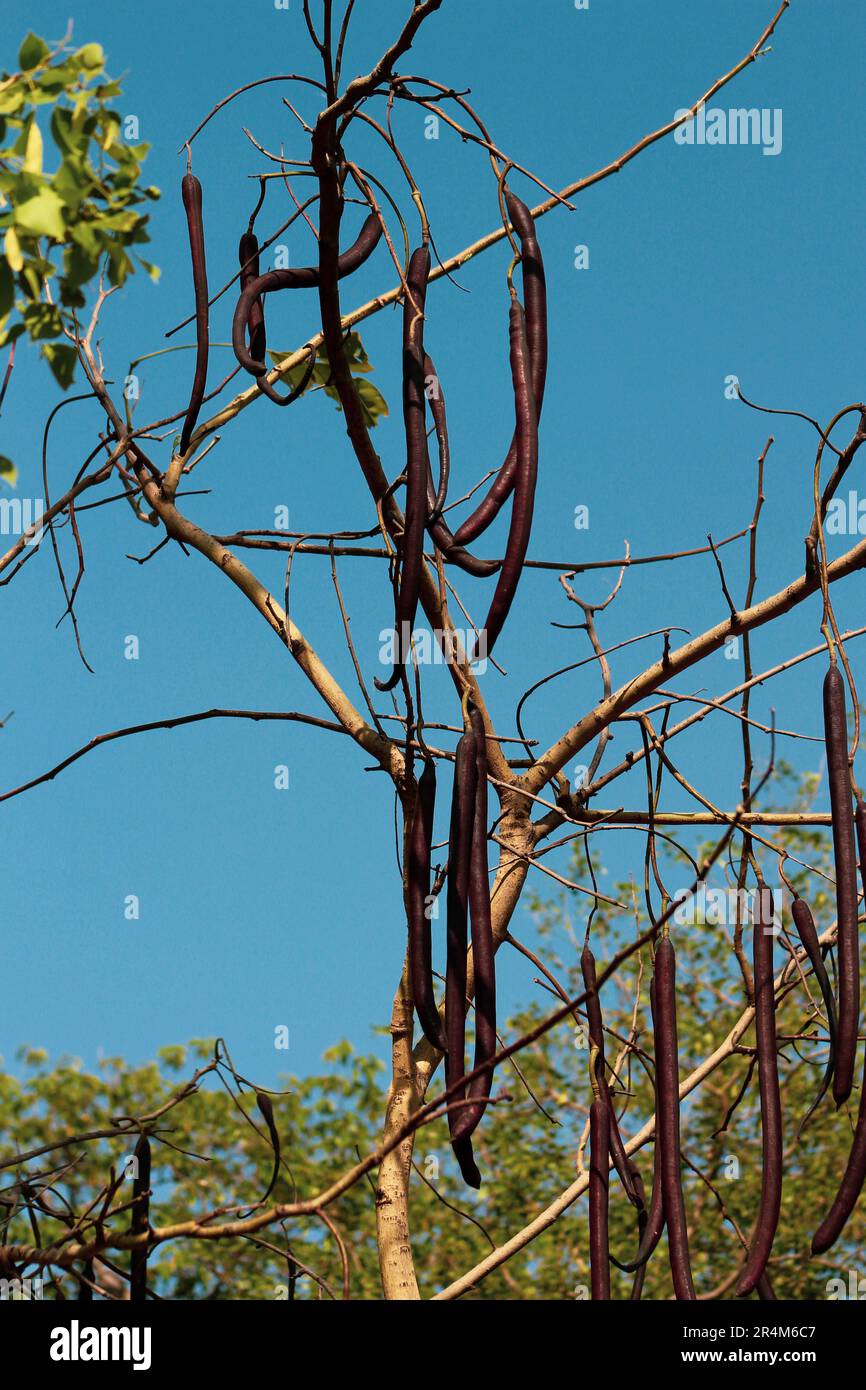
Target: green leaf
x=33, y=150
x=11, y=101
x=62, y=359
x=69, y=138
x=355, y=352
x=91, y=56
x=42, y=320
x=33, y=51
x=12, y=250
x=8, y=471
x=42, y=215
x=373, y=403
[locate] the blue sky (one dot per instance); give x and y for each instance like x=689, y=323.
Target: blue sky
x=262, y=908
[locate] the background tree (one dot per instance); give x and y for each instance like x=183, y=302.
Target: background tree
x=76, y=1218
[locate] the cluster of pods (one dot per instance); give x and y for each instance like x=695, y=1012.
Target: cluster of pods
x=468, y=895
x=842, y=1009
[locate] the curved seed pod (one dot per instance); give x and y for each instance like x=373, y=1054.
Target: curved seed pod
x=436, y=524
x=418, y=874
x=771, y=1103
x=191, y=194
x=850, y=1188
x=483, y=967
x=417, y=462
x=459, y=851
x=524, y=487
x=455, y=554
x=596, y=1038
x=248, y=256
x=535, y=299
x=765, y=1289
x=300, y=277
x=440, y=421
x=847, y=938
x=140, y=1221
x=263, y=1101
x=668, y=1117
x=655, y=1220
x=599, y=1146
x=642, y=1222
x=804, y=922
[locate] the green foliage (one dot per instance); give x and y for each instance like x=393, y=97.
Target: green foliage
x=69, y=212
x=373, y=404
x=528, y=1147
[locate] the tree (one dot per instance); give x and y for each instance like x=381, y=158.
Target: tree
x=750, y=844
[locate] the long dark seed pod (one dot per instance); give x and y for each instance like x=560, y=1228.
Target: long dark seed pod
x=417, y=462
x=459, y=851
x=140, y=1221
x=668, y=1117
x=599, y=1147
x=418, y=891
x=850, y=1188
x=248, y=256
x=524, y=487
x=483, y=967
x=535, y=299
x=655, y=1222
x=191, y=193
x=263, y=1101
x=300, y=277
x=847, y=937
x=596, y=1038
x=804, y=922
x=771, y=1103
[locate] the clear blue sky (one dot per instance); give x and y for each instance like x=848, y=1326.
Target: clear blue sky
x=259, y=907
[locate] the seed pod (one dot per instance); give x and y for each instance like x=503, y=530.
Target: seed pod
x=642, y=1222
x=417, y=462
x=265, y=1105
x=535, y=299
x=191, y=194
x=297, y=278
x=599, y=1146
x=140, y=1221
x=668, y=1118
x=440, y=421
x=483, y=967
x=459, y=851
x=524, y=489
x=248, y=256
x=855, y=1170
x=771, y=1103
x=596, y=1038
x=847, y=938
x=655, y=1219
x=850, y=1188
x=436, y=496
x=804, y=922
x=418, y=885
